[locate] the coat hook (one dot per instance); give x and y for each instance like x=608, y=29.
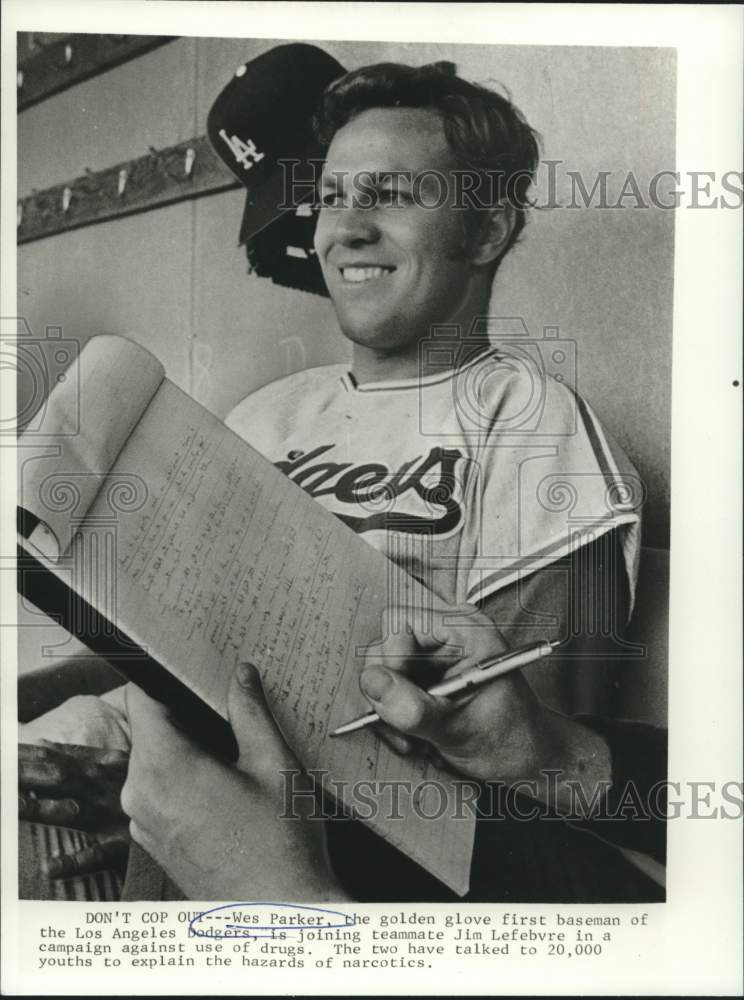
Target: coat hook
x=122, y=183
x=19, y=214
x=92, y=184
x=188, y=163
x=66, y=199
x=68, y=54
x=19, y=78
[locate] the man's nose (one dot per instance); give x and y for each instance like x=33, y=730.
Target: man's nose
x=356, y=225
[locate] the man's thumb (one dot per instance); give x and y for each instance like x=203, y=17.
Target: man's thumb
x=402, y=704
x=261, y=746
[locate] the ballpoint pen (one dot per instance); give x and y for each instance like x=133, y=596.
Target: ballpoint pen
x=474, y=677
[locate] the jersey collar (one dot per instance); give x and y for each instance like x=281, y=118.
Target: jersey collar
x=413, y=382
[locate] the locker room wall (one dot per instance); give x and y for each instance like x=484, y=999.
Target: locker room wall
x=175, y=279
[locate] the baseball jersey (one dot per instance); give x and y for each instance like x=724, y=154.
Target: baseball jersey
x=470, y=478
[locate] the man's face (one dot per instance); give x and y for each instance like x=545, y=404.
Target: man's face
x=398, y=267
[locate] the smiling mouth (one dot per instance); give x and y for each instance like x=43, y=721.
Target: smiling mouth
x=359, y=275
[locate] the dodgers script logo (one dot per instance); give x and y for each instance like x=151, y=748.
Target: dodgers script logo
x=422, y=496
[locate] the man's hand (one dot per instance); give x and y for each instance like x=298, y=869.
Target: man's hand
x=78, y=787
x=500, y=732
x=217, y=829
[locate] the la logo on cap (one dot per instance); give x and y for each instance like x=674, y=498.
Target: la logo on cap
x=263, y=118
x=245, y=153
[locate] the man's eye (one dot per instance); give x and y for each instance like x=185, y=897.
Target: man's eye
x=332, y=199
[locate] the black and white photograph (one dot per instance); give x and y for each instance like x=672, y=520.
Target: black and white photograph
x=345, y=439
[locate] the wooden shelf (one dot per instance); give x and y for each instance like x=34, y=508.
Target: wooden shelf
x=70, y=59
x=188, y=170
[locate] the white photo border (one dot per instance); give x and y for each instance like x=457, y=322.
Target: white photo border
x=693, y=946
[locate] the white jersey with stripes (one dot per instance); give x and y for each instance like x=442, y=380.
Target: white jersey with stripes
x=470, y=478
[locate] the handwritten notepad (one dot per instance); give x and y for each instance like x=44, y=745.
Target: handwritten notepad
x=206, y=555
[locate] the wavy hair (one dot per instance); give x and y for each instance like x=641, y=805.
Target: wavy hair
x=486, y=133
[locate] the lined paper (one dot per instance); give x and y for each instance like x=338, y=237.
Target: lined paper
x=222, y=559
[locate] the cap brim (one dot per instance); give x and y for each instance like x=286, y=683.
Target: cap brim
x=264, y=204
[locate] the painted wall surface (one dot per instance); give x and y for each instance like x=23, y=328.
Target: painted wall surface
x=175, y=279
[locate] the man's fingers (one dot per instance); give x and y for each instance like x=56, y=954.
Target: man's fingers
x=57, y=812
x=51, y=774
x=261, y=745
x=435, y=624
x=395, y=740
x=405, y=745
x=45, y=776
x=68, y=770
x=445, y=634
x=116, y=760
x=399, y=651
x=397, y=645
x=73, y=786
x=416, y=638
x=111, y=854
x=403, y=705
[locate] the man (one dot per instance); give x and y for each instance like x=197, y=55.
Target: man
x=447, y=466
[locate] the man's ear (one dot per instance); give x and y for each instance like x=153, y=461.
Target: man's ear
x=494, y=233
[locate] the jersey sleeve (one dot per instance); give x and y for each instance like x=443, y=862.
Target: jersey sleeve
x=547, y=479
